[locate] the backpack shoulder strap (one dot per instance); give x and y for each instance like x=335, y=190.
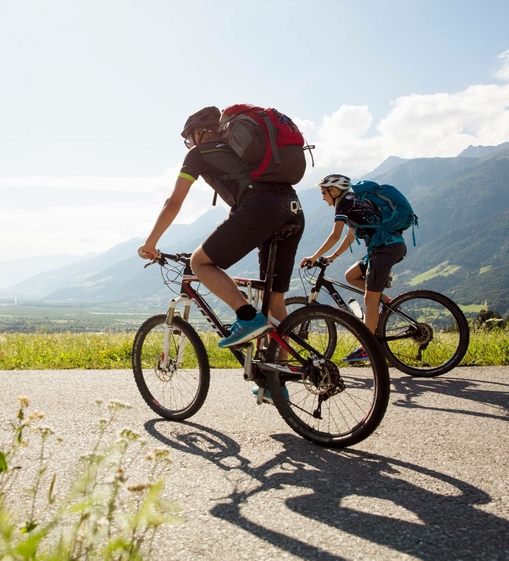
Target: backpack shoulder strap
x=271, y=129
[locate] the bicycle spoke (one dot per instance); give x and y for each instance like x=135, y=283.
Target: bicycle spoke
x=174, y=389
x=424, y=334
x=332, y=403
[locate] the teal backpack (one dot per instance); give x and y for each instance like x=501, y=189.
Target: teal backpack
x=395, y=210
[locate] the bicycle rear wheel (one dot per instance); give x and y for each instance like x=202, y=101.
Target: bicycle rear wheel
x=329, y=402
x=426, y=334
x=177, y=391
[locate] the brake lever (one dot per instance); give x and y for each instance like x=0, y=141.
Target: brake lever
x=159, y=259
x=307, y=264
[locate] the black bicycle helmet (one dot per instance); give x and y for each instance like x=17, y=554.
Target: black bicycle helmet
x=206, y=118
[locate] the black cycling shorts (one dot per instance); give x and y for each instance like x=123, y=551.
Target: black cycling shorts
x=381, y=261
x=261, y=212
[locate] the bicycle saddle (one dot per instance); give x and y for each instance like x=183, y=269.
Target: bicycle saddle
x=285, y=231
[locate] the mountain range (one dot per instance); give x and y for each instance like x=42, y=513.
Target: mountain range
x=462, y=250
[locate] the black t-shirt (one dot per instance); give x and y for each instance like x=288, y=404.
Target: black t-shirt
x=353, y=212
x=215, y=161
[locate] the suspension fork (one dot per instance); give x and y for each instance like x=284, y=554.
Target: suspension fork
x=169, y=330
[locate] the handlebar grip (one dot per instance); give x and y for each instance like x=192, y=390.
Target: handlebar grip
x=177, y=257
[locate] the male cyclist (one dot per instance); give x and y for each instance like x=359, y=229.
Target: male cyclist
x=258, y=209
x=370, y=273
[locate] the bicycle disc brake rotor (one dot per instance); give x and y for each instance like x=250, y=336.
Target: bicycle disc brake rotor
x=165, y=375
x=324, y=379
x=423, y=333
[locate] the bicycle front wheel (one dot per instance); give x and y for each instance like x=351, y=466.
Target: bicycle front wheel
x=423, y=333
x=329, y=401
x=177, y=390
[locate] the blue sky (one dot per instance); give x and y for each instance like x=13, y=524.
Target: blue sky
x=94, y=95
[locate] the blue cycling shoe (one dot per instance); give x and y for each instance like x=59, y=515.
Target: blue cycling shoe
x=267, y=396
x=243, y=331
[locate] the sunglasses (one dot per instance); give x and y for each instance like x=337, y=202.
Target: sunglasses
x=189, y=142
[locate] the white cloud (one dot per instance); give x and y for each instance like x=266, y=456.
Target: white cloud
x=503, y=72
x=434, y=125
x=444, y=124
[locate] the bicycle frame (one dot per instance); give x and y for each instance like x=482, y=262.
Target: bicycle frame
x=188, y=295
x=330, y=284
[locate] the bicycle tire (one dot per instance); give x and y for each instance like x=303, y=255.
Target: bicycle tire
x=355, y=398
x=180, y=391
x=438, y=336
x=293, y=303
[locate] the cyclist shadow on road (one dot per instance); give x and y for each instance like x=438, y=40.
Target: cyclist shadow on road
x=408, y=390
x=386, y=501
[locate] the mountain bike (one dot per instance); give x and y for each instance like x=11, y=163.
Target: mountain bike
x=322, y=399
x=421, y=332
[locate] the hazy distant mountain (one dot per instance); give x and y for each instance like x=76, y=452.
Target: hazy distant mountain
x=17, y=270
x=388, y=164
x=463, y=209
x=41, y=285
x=89, y=274
x=482, y=151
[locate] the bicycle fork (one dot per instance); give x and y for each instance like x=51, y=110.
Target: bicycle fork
x=169, y=331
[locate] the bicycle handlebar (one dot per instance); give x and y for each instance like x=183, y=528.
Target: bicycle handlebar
x=161, y=259
x=320, y=263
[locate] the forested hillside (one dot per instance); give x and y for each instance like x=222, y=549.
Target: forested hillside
x=463, y=225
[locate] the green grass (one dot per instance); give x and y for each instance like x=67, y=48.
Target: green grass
x=442, y=270
x=488, y=348
x=473, y=308
x=38, y=351
x=34, y=351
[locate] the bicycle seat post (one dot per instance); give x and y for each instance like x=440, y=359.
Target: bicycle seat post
x=280, y=234
x=269, y=276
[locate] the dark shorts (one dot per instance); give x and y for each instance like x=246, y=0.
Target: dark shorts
x=251, y=226
x=381, y=261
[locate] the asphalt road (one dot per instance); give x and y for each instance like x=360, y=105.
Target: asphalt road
x=431, y=483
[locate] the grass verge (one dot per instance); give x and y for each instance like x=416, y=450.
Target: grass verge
x=36, y=351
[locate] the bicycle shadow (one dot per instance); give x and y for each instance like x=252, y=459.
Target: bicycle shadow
x=409, y=390
x=365, y=495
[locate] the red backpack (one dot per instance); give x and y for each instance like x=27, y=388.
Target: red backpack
x=266, y=139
